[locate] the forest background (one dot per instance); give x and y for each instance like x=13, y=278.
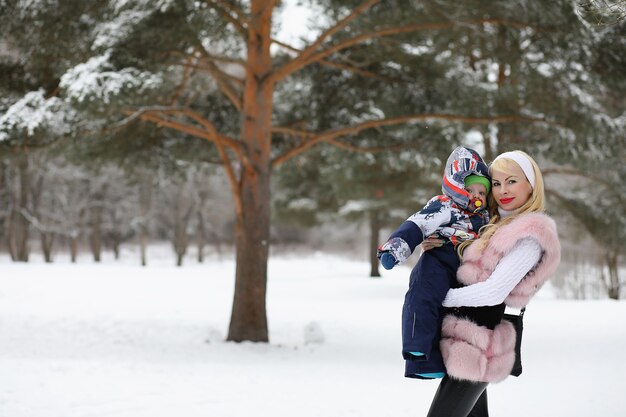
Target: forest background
x=131, y=122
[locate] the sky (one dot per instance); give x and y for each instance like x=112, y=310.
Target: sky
x=294, y=23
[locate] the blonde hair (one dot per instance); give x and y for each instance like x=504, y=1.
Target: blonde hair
x=535, y=203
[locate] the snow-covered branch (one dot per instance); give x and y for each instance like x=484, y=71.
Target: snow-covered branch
x=33, y=113
x=97, y=80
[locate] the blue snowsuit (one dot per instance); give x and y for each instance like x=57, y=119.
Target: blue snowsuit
x=435, y=273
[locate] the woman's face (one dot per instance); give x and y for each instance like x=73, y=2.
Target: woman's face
x=510, y=189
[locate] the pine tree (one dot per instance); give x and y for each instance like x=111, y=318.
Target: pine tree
x=223, y=48
x=215, y=70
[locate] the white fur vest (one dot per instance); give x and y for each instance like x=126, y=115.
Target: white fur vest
x=475, y=352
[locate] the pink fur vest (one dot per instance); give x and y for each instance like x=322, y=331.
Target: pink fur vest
x=475, y=352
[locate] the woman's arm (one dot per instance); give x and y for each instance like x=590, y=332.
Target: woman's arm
x=510, y=270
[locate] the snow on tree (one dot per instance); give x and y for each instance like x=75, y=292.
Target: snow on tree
x=215, y=71
x=35, y=114
x=98, y=80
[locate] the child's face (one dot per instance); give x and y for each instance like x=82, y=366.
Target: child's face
x=477, y=192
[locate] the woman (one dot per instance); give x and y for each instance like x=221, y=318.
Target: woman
x=517, y=252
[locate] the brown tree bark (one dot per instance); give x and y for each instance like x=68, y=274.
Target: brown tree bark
x=74, y=249
x=249, y=176
x=116, y=242
x=249, y=319
x=145, y=203
x=18, y=226
x=614, y=284
x=201, y=229
x=47, y=242
x=374, y=242
x=143, y=245
x=201, y=235
x=46, y=236
x=180, y=239
x=95, y=235
x=95, y=223
x=75, y=236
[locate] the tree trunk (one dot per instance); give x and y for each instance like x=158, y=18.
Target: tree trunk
x=45, y=237
x=249, y=318
x=97, y=214
x=508, y=133
x=145, y=203
x=95, y=237
x=374, y=242
x=180, y=242
x=75, y=235
x=614, y=284
x=74, y=248
x=143, y=244
x=47, y=241
x=117, y=242
x=201, y=235
x=181, y=237
x=18, y=227
x=217, y=243
x=488, y=156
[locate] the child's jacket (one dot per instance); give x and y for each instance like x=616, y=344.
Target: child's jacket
x=435, y=272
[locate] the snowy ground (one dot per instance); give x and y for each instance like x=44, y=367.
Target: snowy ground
x=120, y=340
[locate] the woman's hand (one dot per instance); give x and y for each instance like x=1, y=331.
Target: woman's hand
x=432, y=242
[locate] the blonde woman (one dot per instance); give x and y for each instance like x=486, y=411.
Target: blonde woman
x=517, y=252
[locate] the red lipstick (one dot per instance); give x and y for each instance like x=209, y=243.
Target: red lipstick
x=506, y=200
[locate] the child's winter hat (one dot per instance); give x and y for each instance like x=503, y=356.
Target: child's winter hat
x=461, y=163
x=477, y=179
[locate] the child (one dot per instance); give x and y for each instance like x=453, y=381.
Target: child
x=455, y=216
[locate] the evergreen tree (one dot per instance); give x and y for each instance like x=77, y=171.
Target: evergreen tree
x=222, y=48
x=216, y=71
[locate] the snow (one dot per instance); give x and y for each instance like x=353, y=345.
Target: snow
x=109, y=34
x=355, y=206
x=119, y=340
x=128, y=15
x=416, y=50
x=97, y=79
x=304, y=203
x=474, y=139
x=162, y=5
x=34, y=7
x=34, y=112
x=294, y=21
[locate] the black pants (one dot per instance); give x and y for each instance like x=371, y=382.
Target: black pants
x=455, y=398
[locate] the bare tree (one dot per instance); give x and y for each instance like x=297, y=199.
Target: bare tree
x=177, y=205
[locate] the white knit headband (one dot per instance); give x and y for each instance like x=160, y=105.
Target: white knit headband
x=524, y=163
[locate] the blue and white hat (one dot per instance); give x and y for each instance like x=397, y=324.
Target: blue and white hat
x=461, y=163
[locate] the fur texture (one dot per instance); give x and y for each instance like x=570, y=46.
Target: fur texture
x=475, y=352
x=478, y=265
